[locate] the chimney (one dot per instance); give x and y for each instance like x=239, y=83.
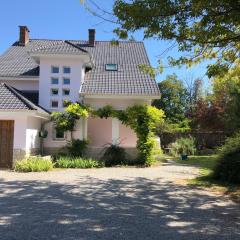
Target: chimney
x=23, y=36
x=91, y=37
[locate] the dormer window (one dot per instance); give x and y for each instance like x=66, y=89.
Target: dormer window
x=111, y=67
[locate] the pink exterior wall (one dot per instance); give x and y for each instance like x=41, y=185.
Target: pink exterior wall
x=99, y=131
x=127, y=136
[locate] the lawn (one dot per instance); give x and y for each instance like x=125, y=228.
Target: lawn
x=206, y=165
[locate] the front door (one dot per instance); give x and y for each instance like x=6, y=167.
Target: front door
x=6, y=143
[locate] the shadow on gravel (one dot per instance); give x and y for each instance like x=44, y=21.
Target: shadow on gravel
x=133, y=209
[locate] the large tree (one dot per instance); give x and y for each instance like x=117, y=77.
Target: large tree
x=207, y=29
x=226, y=91
x=174, y=99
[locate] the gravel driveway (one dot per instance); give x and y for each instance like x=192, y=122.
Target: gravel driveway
x=113, y=203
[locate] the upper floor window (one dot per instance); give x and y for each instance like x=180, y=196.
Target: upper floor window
x=66, y=92
x=54, y=104
x=66, y=70
x=55, y=69
x=66, y=81
x=111, y=67
x=54, y=91
x=54, y=80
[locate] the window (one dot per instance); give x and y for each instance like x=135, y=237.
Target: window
x=66, y=92
x=54, y=80
x=58, y=134
x=66, y=70
x=54, y=104
x=66, y=81
x=55, y=69
x=111, y=67
x=54, y=91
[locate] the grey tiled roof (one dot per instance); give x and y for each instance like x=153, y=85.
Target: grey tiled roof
x=128, y=80
x=63, y=47
x=10, y=99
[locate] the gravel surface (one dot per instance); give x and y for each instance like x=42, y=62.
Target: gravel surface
x=113, y=203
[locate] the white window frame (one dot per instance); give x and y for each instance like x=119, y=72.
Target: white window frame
x=66, y=84
x=66, y=89
x=52, y=92
x=54, y=100
x=66, y=67
x=52, y=67
x=54, y=137
x=52, y=81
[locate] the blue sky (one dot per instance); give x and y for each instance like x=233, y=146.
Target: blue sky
x=67, y=19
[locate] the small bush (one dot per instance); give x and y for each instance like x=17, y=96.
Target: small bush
x=228, y=164
x=114, y=155
x=33, y=164
x=77, y=147
x=184, y=146
x=71, y=162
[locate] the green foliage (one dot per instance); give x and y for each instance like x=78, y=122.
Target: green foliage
x=143, y=119
x=185, y=146
x=77, y=147
x=72, y=162
x=202, y=29
x=104, y=112
x=226, y=92
x=33, y=164
x=65, y=121
x=77, y=110
x=174, y=99
x=228, y=166
x=114, y=155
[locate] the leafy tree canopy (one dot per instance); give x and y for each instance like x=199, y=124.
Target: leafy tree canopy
x=174, y=99
x=206, y=29
x=226, y=90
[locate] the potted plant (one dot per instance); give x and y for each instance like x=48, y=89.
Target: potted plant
x=183, y=153
x=43, y=133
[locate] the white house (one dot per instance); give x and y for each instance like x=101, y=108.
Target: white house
x=38, y=75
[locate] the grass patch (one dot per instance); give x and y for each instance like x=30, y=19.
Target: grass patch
x=77, y=162
x=33, y=164
x=206, y=163
x=205, y=180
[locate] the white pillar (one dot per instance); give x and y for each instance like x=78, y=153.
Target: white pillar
x=85, y=135
x=115, y=131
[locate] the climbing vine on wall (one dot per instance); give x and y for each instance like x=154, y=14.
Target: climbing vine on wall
x=143, y=119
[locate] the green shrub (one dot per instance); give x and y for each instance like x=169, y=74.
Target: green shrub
x=33, y=164
x=184, y=146
x=77, y=147
x=71, y=162
x=228, y=164
x=114, y=155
